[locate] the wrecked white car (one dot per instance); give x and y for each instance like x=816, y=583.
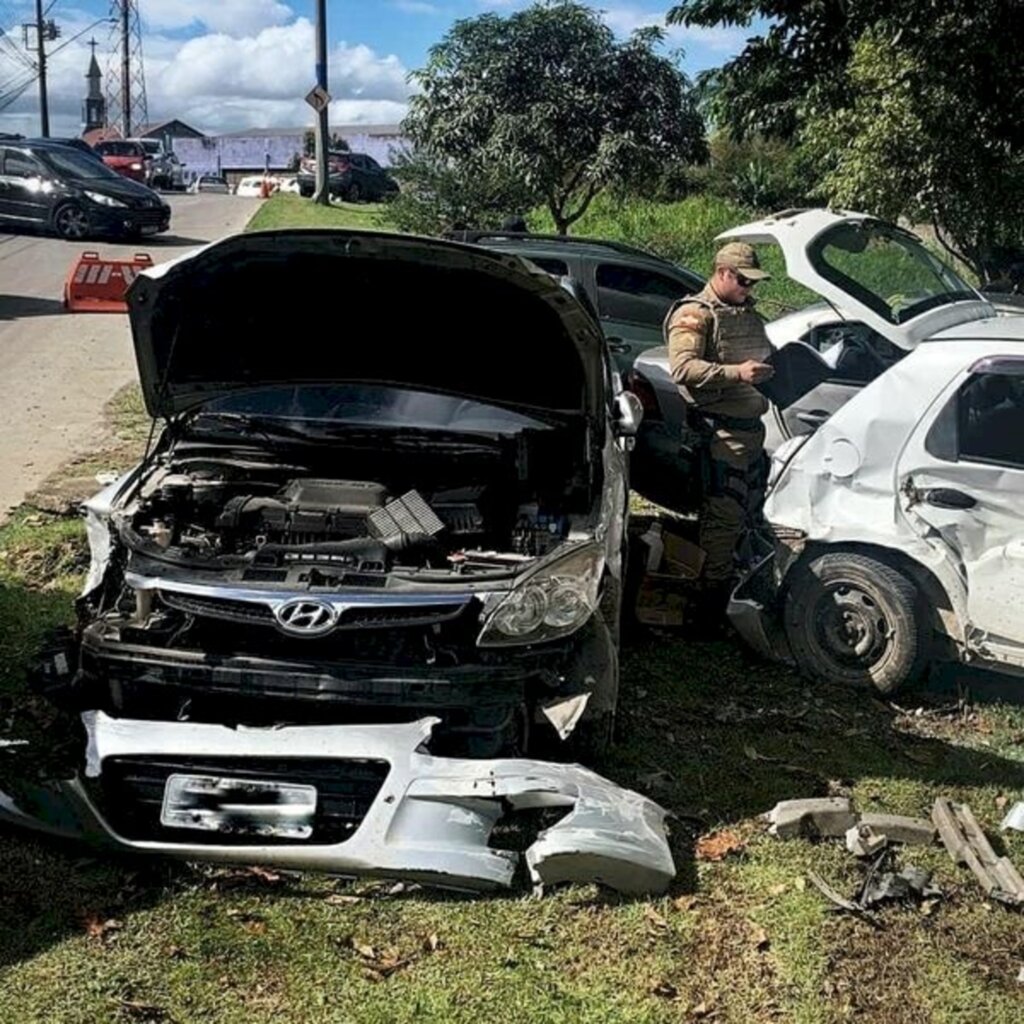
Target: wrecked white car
x=352, y=564
x=896, y=529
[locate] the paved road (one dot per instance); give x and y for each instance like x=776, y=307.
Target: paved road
x=58, y=369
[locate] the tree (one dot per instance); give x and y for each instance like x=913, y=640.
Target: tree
x=908, y=109
x=549, y=98
x=440, y=195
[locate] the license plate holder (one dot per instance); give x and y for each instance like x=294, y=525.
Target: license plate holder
x=263, y=808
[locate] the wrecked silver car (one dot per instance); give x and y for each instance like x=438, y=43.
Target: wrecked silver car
x=351, y=564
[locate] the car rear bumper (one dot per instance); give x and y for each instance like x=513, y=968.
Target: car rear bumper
x=429, y=820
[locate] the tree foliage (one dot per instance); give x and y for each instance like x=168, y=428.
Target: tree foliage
x=440, y=195
x=549, y=98
x=908, y=109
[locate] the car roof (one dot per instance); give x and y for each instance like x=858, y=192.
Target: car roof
x=559, y=244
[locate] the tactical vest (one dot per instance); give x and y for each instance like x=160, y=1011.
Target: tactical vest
x=738, y=335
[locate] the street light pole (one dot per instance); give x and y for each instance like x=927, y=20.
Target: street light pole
x=322, y=194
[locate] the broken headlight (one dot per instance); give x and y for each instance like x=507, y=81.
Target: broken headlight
x=551, y=602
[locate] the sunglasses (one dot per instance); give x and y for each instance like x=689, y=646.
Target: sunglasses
x=743, y=282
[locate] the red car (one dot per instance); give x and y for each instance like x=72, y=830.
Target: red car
x=125, y=157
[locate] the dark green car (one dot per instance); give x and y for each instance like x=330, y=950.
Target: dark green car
x=630, y=290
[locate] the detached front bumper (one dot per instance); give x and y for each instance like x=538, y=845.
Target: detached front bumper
x=753, y=612
x=425, y=819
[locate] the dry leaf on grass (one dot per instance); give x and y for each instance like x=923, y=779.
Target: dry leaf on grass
x=340, y=899
x=665, y=989
x=687, y=902
x=100, y=928
x=718, y=845
x=654, y=917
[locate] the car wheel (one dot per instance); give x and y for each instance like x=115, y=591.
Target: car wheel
x=355, y=193
x=856, y=620
x=70, y=221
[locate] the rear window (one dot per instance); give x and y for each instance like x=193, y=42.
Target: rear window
x=119, y=149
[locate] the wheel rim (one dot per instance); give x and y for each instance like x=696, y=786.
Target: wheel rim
x=851, y=627
x=72, y=222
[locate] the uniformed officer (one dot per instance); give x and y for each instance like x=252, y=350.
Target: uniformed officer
x=717, y=349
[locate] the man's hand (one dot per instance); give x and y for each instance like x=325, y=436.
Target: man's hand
x=753, y=372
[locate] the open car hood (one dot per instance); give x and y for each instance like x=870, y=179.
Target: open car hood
x=870, y=270
x=337, y=307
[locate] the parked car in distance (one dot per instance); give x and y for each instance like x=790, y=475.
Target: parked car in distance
x=354, y=177
x=629, y=289
x=163, y=168
x=210, y=183
x=125, y=156
x=57, y=187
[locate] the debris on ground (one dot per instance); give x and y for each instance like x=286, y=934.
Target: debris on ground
x=818, y=816
x=842, y=902
x=718, y=845
x=1014, y=818
x=967, y=844
x=834, y=816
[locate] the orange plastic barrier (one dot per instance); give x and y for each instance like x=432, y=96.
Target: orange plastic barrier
x=96, y=285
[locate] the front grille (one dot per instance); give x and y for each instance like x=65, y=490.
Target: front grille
x=131, y=791
x=218, y=608
x=365, y=617
x=382, y=616
x=149, y=217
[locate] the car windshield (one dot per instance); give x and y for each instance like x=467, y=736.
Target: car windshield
x=71, y=162
x=887, y=269
x=355, y=405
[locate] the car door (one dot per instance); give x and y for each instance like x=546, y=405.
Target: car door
x=632, y=302
x=28, y=190
x=961, y=478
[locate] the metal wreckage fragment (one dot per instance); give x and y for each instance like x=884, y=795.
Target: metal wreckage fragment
x=397, y=811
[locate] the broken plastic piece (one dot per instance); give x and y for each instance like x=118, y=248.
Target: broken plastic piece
x=898, y=828
x=1014, y=818
x=967, y=844
x=823, y=816
x=565, y=714
x=909, y=885
x=863, y=841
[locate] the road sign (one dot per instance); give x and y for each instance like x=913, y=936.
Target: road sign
x=318, y=98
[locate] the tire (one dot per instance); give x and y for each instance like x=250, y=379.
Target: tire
x=354, y=193
x=855, y=620
x=71, y=222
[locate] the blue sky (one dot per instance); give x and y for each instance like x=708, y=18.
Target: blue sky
x=223, y=65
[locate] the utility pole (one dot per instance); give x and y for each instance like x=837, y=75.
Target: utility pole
x=322, y=194
x=126, y=75
x=45, y=31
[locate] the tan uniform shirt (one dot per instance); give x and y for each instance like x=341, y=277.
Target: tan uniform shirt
x=705, y=346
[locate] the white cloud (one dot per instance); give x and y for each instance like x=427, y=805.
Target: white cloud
x=217, y=82
x=724, y=42
x=232, y=17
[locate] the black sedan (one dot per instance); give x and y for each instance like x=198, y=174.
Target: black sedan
x=52, y=185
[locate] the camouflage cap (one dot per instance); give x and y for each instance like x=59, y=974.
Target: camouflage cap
x=741, y=257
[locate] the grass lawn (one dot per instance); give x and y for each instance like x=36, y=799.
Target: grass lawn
x=292, y=211
x=710, y=732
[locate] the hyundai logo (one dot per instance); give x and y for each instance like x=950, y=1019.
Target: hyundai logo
x=306, y=618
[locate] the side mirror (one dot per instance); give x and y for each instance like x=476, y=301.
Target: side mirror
x=629, y=411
